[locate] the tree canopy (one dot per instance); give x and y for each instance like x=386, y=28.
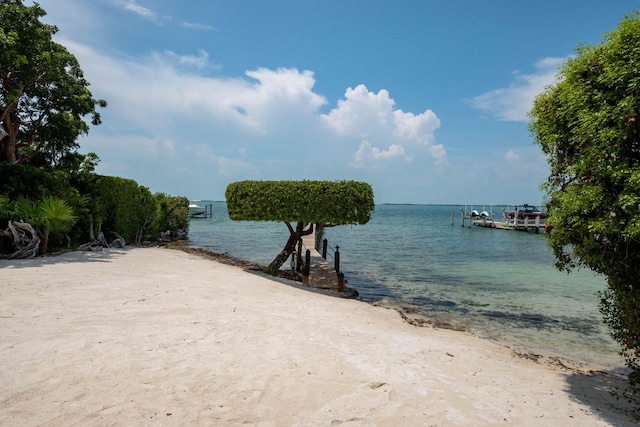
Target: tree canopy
x=334, y=202
x=327, y=203
x=587, y=125
x=43, y=93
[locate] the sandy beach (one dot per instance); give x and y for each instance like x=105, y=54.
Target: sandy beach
x=155, y=337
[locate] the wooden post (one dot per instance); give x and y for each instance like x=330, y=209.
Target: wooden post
x=307, y=264
x=341, y=282
x=337, y=258
x=324, y=248
x=299, y=257
x=461, y=217
x=452, y=217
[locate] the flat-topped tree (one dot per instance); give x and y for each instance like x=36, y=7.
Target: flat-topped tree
x=300, y=205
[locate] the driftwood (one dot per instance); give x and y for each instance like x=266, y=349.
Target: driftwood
x=101, y=242
x=119, y=241
x=25, y=240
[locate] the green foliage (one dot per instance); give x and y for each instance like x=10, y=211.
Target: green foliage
x=47, y=216
x=122, y=206
x=334, y=202
x=172, y=214
x=109, y=204
x=56, y=217
x=44, y=96
x=33, y=182
x=587, y=125
x=5, y=213
x=27, y=210
x=119, y=206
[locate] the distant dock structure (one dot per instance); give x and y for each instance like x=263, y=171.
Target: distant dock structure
x=527, y=218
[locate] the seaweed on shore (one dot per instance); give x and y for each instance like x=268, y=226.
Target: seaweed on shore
x=228, y=260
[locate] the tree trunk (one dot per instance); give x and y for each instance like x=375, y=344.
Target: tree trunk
x=92, y=235
x=9, y=141
x=45, y=241
x=290, y=247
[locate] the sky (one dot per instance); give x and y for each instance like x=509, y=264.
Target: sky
x=425, y=100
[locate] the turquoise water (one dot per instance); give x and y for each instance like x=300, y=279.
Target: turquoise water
x=501, y=284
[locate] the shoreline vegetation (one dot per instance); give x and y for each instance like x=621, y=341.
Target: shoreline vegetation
x=159, y=335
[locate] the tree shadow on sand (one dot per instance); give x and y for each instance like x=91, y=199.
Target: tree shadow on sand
x=600, y=391
x=105, y=255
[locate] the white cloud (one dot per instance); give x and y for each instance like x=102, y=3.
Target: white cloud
x=199, y=61
x=229, y=167
x=148, y=147
x=156, y=91
x=439, y=153
x=361, y=112
x=198, y=26
x=512, y=156
x=142, y=11
x=515, y=102
x=282, y=86
x=367, y=153
x=367, y=115
x=170, y=118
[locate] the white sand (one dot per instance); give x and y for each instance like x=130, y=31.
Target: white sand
x=159, y=337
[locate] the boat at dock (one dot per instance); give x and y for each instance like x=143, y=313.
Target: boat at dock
x=200, y=211
x=195, y=210
x=526, y=211
x=521, y=218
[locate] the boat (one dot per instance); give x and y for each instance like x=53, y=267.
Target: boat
x=483, y=214
x=195, y=210
x=526, y=211
x=524, y=217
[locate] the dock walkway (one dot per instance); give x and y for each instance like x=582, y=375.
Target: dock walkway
x=521, y=224
x=322, y=275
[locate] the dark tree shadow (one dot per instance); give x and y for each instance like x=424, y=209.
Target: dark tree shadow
x=599, y=390
x=104, y=255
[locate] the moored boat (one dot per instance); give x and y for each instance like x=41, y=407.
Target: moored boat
x=526, y=211
x=195, y=210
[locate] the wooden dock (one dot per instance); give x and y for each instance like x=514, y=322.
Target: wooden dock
x=322, y=275
x=536, y=224
x=520, y=224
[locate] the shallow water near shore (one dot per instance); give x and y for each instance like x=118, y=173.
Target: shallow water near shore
x=500, y=284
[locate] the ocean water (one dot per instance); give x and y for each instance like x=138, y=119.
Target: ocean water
x=502, y=285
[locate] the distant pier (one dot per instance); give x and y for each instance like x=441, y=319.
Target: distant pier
x=535, y=223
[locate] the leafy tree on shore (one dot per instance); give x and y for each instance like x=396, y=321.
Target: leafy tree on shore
x=44, y=100
x=43, y=93
x=300, y=205
x=587, y=125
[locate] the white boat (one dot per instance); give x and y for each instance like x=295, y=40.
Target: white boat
x=196, y=209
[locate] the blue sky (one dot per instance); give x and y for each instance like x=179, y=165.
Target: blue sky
x=425, y=100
